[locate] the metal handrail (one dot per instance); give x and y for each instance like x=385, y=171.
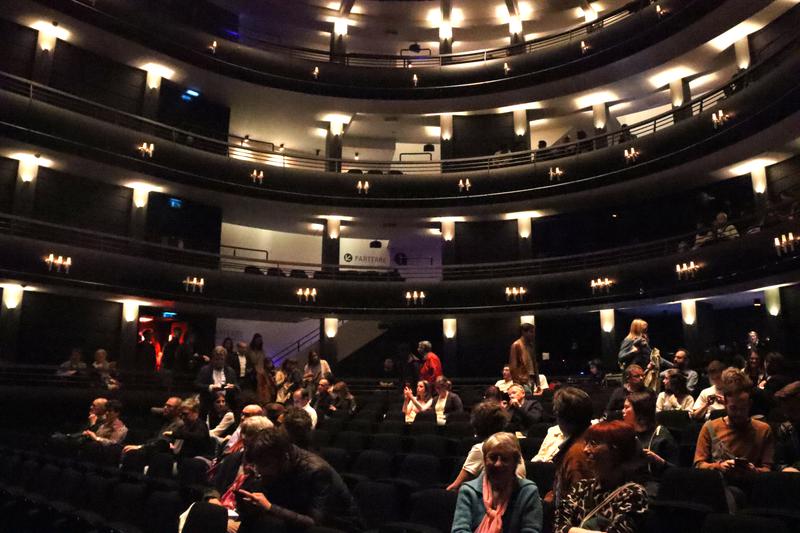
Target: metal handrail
x=296, y=345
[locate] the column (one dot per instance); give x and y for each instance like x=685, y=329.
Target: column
x=328, y=347
x=128, y=334
x=774, y=322
x=10, y=315
x=46, y=43
x=608, y=339
x=333, y=146
x=758, y=179
x=138, y=220
x=450, y=346
x=742, y=49
x=525, y=234
x=330, y=245
x=445, y=29
x=446, y=138
x=448, y=242
x=600, y=116
x=338, y=43
x=25, y=185
x=522, y=131
x=695, y=314
x=680, y=93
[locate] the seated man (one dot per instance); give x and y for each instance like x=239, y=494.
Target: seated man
x=711, y=398
x=297, y=424
x=633, y=382
x=735, y=443
x=681, y=362
x=505, y=383
x=172, y=421
x=321, y=401
x=787, y=450
x=74, y=365
x=234, y=442
x=525, y=412
x=97, y=415
x=111, y=430
x=191, y=439
x=296, y=487
x=301, y=399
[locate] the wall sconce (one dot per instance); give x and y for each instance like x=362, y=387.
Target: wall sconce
x=146, y=150
x=281, y=148
x=58, y=264
x=514, y=25
x=686, y=271
x=448, y=230
x=631, y=155
x=28, y=167
x=415, y=80
x=585, y=47
x=306, y=295
x=524, y=227
x=607, y=320
x=49, y=32
x=245, y=139
x=130, y=310
x=212, y=47
x=445, y=30
x=446, y=126
x=719, y=118
x=362, y=187
x=340, y=27
x=315, y=73
x=449, y=328
x=689, y=312
x=464, y=185
x=515, y=294
x=506, y=69
x=331, y=327
x=336, y=127
x=356, y=156
x=191, y=284
x=416, y=298
x=772, y=299
x=257, y=176
x=601, y=285
x=12, y=295
x=784, y=244
x=334, y=228
x=555, y=173
x=660, y=11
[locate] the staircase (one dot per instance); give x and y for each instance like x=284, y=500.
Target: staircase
x=351, y=336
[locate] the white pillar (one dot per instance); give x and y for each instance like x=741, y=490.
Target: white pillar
x=446, y=125
x=758, y=177
x=679, y=92
x=448, y=230
x=772, y=299
x=600, y=115
x=449, y=328
x=607, y=320
x=742, y=49
x=689, y=312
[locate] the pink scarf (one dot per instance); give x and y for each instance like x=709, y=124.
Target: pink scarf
x=493, y=520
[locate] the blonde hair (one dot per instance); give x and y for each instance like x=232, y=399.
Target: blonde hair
x=502, y=440
x=638, y=328
x=253, y=425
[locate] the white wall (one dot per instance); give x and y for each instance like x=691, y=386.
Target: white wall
x=277, y=335
x=282, y=246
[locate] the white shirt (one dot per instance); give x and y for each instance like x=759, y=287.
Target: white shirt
x=474, y=462
x=441, y=419
x=550, y=444
x=504, y=385
x=218, y=378
x=312, y=413
x=411, y=409
x=225, y=422
x=669, y=402
x=703, y=399
x=242, y=364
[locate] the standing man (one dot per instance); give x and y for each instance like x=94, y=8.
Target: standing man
x=243, y=367
x=431, y=364
x=216, y=377
x=522, y=360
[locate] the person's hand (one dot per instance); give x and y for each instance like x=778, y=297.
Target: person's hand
x=504, y=404
x=407, y=393
x=233, y=526
x=513, y=402
x=728, y=465
x=90, y=434
x=653, y=457
x=206, y=359
x=229, y=386
x=131, y=448
x=452, y=487
x=214, y=501
x=635, y=348
x=332, y=407
x=256, y=498
x=791, y=469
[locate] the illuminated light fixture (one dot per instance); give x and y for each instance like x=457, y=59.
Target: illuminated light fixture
x=631, y=155
x=362, y=188
x=607, y=320
x=340, y=26
x=140, y=197
x=758, y=177
x=757, y=302
x=599, y=115
x=334, y=228
x=689, y=312
x=146, y=150
x=738, y=32
x=48, y=33
x=212, y=47
x=58, y=263
x=719, y=118
x=446, y=126
x=515, y=294
x=742, y=50
x=145, y=319
x=592, y=99
x=315, y=73
x=555, y=173
x=524, y=227
x=601, y=285
x=130, y=311
x=506, y=69
x=448, y=230
x=527, y=319
x=12, y=295
x=660, y=11
x=155, y=72
x=464, y=185
x=589, y=14
x=281, y=148
x=193, y=285
x=772, y=299
x=336, y=127
x=686, y=270
x=257, y=176
x=520, y=118
x=514, y=25
x=28, y=166
x=671, y=75
x=306, y=295
x=314, y=226
x=355, y=156
x=245, y=139
x=415, y=298
x=449, y=328
x=785, y=244
x=415, y=80
x=585, y=47
x=331, y=327
x=141, y=190
x=445, y=31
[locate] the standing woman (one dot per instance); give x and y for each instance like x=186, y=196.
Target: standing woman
x=447, y=401
x=498, y=501
x=265, y=381
x=755, y=367
x=607, y=501
x=416, y=404
x=635, y=348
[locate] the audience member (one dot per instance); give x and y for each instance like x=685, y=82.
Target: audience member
x=103, y=368
x=675, y=396
x=522, y=356
x=755, y=367
x=295, y=487
x=316, y=369
x=722, y=229
x=608, y=501
x=264, y=370
x=446, y=401
x=239, y=360
x=487, y=419
x=298, y=426
x=389, y=374
x=596, y=373
x=227, y=343
x=302, y=400
x=635, y=347
x=146, y=352
x=274, y=411
x=169, y=355
x=787, y=446
x=525, y=412
x=711, y=398
x=191, y=439
x=702, y=236
x=658, y=446
x=681, y=362
x=775, y=376
x=633, y=381
x=754, y=343
x=416, y=404
x=495, y=394
x=234, y=442
x=321, y=401
x=216, y=377
x=431, y=367
x=498, y=500
x=220, y=420
x=506, y=382
x=111, y=430
x=172, y=421
x=343, y=400
x=287, y=378
x=735, y=443
x=74, y=365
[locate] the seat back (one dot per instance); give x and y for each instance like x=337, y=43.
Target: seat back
x=430, y=444
x=161, y=465
x=422, y=469
x=192, y=471
x=704, y=487
x=378, y=502
x=163, y=508
x=726, y=523
x=434, y=508
x=336, y=457
x=127, y=504
x=389, y=443
x=542, y=474
x=775, y=490
x=373, y=464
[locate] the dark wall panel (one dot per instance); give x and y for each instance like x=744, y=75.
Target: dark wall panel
x=192, y=113
x=486, y=242
x=8, y=178
x=482, y=135
x=178, y=222
x=97, y=78
x=18, y=44
x=81, y=202
x=52, y=324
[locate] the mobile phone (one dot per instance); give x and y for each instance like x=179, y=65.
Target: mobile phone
x=740, y=462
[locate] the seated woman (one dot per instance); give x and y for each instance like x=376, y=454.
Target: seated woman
x=446, y=401
x=675, y=396
x=220, y=420
x=608, y=501
x=416, y=404
x=658, y=446
x=342, y=399
x=497, y=500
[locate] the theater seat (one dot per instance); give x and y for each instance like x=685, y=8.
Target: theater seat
x=352, y=441
x=338, y=458
x=389, y=443
x=161, y=466
x=193, y=471
x=542, y=474
x=431, y=445
x=686, y=497
x=163, y=508
x=370, y=464
x=725, y=523
x=776, y=495
x=417, y=472
x=431, y=512
x=379, y=502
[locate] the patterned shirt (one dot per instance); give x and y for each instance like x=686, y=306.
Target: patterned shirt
x=623, y=514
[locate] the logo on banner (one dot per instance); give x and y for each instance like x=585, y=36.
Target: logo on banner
x=348, y=258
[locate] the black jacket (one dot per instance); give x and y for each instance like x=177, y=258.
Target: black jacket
x=524, y=416
x=196, y=440
x=205, y=377
x=249, y=379
x=453, y=404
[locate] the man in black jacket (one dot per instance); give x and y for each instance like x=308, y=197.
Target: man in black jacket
x=191, y=439
x=296, y=487
x=159, y=443
x=216, y=377
x=525, y=412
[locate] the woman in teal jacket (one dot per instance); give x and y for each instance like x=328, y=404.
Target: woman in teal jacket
x=497, y=501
